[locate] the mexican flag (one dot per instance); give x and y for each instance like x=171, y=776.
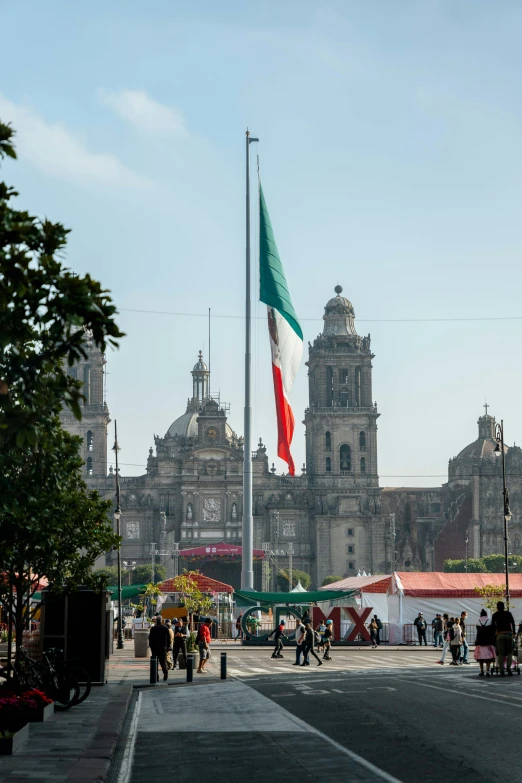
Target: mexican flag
x=286, y=337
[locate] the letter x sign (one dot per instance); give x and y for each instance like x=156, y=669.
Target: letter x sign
x=358, y=616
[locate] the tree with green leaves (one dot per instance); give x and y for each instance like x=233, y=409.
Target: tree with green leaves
x=51, y=526
x=191, y=597
x=490, y=594
x=47, y=316
x=283, y=579
x=329, y=580
x=489, y=564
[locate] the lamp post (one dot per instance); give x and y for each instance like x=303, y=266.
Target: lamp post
x=129, y=567
x=499, y=452
x=117, y=516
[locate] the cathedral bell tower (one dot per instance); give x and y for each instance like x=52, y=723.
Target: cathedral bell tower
x=95, y=415
x=341, y=420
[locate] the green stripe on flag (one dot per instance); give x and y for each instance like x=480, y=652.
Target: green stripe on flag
x=273, y=288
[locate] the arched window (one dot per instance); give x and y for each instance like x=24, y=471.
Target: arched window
x=357, y=396
x=345, y=458
x=89, y=440
x=328, y=465
x=328, y=441
x=363, y=465
x=89, y=466
x=362, y=441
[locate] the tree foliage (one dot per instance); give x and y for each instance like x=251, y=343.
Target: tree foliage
x=489, y=564
x=195, y=601
x=141, y=575
x=490, y=594
x=51, y=525
x=329, y=580
x=283, y=579
x=48, y=314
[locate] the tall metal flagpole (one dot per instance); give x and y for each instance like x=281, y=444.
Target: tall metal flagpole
x=247, y=567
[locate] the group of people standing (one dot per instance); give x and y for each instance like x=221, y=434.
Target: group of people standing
x=166, y=642
x=493, y=638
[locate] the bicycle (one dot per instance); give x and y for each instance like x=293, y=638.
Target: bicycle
x=71, y=668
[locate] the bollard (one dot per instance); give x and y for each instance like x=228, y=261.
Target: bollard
x=190, y=667
x=153, y=670
x=223, y=666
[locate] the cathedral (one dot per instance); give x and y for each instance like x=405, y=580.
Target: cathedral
x=334, y=516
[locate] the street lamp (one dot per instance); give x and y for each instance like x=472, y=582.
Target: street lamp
x=129, y=567
x=117, y=517
x=499, y=452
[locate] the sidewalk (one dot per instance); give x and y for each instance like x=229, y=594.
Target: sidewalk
x=78, y=745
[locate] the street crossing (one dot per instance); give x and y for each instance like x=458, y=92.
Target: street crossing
x=246, y=664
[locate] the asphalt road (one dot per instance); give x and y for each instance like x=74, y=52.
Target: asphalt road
x=427, y=723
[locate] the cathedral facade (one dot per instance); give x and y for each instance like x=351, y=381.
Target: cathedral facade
x=335, y=516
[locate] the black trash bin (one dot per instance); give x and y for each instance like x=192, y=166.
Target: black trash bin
x=78, y=623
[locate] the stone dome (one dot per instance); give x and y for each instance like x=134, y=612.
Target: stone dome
x=200, y=364
x=339, y=305
x=339, y=316
x=185, y=426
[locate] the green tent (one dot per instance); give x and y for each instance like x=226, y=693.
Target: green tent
x=314, y=597
x=127, y=591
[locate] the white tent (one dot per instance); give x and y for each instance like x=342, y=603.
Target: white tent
x=298, y=588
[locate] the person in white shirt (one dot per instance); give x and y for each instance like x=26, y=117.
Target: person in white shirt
x=300, y=640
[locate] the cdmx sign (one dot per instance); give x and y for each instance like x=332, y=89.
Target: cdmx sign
x=358, y=617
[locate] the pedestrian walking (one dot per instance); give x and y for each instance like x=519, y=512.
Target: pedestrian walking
x=484, y=643
x=171, y=644
x=278, y=634
x=328, y=639
x=420, y=625
x=455, y=640
x=159, y=639
x=464, y=646
x=321, y=628
x=504, y=628
x=373, y=633
x=239, y=629
x=300, y=642
x=446, y=637
x=309, y=646
x=181, y=635
x=438, y=627
x=203, y=640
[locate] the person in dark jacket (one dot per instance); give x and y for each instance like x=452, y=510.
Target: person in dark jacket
x=181, y=635
x=464, y=647
x=503, y=624
x=278, y=634
x=309, y=646
x=159, y=640
x=420, y=625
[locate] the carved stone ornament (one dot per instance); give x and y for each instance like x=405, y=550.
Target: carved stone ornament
x=132, y=530
x=211, y=510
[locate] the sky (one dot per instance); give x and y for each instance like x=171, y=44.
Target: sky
x=390, y=155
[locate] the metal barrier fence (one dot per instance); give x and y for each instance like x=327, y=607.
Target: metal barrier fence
x=410, y=635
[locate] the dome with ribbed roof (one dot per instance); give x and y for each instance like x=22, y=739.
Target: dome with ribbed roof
x=339, y=315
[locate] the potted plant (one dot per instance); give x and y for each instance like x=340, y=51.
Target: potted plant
x=11, y=741
x=36, y=706
x=193, y=649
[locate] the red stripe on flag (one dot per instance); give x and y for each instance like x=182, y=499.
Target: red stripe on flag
x=285, y=421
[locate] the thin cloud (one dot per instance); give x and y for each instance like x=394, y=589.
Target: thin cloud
x=59, y=153
x=146, y=114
